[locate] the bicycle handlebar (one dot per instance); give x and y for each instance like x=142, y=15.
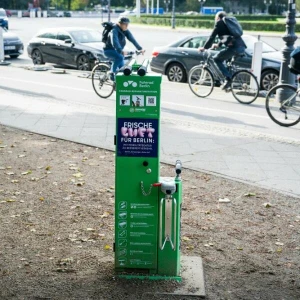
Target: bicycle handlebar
x=137, y=52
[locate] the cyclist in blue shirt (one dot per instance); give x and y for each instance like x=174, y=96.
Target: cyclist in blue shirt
x=116, y=42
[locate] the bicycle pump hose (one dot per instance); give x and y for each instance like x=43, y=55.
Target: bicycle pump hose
x=143, y=68
x=128, y=69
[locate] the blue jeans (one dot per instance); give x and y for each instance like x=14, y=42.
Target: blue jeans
x=117, y=58
x=225, y=55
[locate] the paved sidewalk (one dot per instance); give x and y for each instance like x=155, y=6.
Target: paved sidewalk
x=252, y=159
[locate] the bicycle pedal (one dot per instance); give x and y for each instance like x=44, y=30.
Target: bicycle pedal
x=228, y=90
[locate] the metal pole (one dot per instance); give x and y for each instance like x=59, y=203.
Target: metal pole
x=138, y=8
x=157, y=8
x=2, y=54
x=152, y=7
x=289, y=38
x=173, y=15
x=147, y=7
x=108, y=7
x=1, y=45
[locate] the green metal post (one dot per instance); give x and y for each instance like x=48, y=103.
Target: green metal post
x=138, y=186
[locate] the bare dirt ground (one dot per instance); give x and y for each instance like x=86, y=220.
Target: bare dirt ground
x=57, y=228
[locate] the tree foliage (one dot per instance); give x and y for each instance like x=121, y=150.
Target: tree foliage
x=276, y=7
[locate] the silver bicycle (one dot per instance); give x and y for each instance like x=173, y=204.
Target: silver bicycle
x=101, y=75
x=204, y=77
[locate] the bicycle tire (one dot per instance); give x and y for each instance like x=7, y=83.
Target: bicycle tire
x=285, y=113
x=204, y=87
x=244, y=87
x=102, y=84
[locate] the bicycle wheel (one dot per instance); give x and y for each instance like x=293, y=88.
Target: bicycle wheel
x=102, y=84
x=285, y=112
x=244, y=87
x=201, y=81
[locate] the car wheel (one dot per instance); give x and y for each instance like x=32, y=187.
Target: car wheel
x=83, y=63
x=269, y=79
x=14, y=56
x=37, y=57
x=176, y=73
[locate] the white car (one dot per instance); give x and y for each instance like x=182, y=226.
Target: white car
x=59, y=14
x=191, y=13
x=127, y=13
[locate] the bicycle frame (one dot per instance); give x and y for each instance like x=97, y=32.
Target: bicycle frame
x=290, y=99
x=211, y=65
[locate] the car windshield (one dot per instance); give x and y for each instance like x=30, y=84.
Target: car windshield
x=2, y=13
x=250, y=40
x=86, y=36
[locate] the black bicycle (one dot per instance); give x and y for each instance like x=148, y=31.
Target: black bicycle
x=103, y=85
x=203, y=78
x=283, y=104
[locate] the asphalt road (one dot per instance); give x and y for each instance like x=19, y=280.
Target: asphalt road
x=216, y=113
x=148, y=37
x=177, y=101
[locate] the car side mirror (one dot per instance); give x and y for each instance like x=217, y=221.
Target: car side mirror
x=68, y=41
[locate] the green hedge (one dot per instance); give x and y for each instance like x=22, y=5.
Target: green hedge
x=211, y=17
x=189, y=22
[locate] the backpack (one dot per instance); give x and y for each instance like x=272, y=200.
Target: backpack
x=108, y=26
x=233, y=26
x=295, y=61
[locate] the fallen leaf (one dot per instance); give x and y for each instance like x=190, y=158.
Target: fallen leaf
x=10, y=200
x=14, y=181
x=185, y=238
x=47, y=168
x=224, y=200
x=267, y=205
x=107, y=247
x=10, y=173
x=189, y=247
x=105, y=215
x=279, y=244
x=34, y=178
x=249, y=194
x=85, y=158
x=26, y=172
x=80, y=183
x=41, y=198
x=78, y=175
x=90, y=229
x=74, y=168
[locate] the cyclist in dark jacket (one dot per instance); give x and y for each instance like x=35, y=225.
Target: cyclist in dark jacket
x=116, y=42
x=233, y=45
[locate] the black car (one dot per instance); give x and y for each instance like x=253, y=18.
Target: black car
x=73, y=47
x=176, y=59
x=67, y=14
x=13, y=46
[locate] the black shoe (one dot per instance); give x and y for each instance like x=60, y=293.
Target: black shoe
x=226, y=84
x=112, y=76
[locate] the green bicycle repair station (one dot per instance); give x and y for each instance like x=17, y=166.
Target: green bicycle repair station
x=147, y=206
